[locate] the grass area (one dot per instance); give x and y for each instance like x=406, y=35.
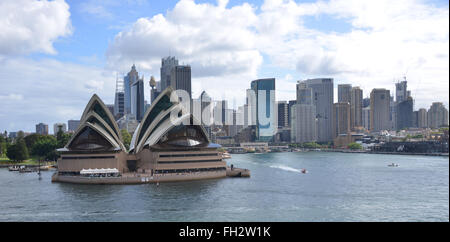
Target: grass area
x=32, y=161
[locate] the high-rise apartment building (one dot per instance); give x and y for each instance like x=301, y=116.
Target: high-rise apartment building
x=379, y=109
x=42, y=128
x=422, y=119
x=341, y=118
x=437, y=115
x=356, y=106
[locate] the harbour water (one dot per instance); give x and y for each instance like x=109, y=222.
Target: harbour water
x=337, y=187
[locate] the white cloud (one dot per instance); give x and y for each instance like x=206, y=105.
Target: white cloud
x=48, y=91
x=224, y=45
x=216, y=41
x=32, y=26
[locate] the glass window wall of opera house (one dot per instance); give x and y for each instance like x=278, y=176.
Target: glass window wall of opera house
x=166, y=146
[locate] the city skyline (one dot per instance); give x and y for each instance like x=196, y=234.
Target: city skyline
x=61, y=80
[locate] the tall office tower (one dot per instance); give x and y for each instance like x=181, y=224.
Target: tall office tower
x=283, y=114
x=128, y=81
x=266, y=118
x=366, y=118
x=404, y=112
x=341, y=118
x=366, y=102
x=59, y=126
x=422, y=121
x=392, y=114
x=356, y=105
x=379, y=109
x=73, y=125
x=290, y=104
x=119, y=100
x=415, y=119
x=180, y=78
x=437, y=115
x=251, y=107
x=322, y=98
x=401, y=93
x=137, y=100
x=344, y=93
x=166, y=67
x=42, y=128
x=303, y=119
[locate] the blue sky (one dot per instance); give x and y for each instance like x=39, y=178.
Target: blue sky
x=51, y=65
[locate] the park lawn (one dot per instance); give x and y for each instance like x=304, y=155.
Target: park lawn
x=32, y=161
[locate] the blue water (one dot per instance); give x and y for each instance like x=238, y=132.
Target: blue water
x=337, y=187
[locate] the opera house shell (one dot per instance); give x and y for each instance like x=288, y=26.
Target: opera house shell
x=168, y=145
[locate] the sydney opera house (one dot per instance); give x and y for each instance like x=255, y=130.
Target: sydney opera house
x=166, y=146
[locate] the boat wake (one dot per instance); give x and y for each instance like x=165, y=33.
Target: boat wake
x=286, y=168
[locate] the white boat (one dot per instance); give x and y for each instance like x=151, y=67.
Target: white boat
x=13, y=168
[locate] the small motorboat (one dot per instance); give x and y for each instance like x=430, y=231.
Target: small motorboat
x=393, y=165
x=13, y=168
x=304, y=171
x=24, y=169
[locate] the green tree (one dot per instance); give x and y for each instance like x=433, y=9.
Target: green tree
x=126, y=137
x=62, y=138
x=45, y=149
x=354, y=146
x=17, y=151
x=31, y=139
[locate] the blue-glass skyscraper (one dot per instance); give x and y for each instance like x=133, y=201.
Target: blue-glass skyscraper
x=266, y=118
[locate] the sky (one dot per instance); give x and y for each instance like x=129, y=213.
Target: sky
x=54, y=55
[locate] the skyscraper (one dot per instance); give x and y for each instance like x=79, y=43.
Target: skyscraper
x=356, y=105
x=437, y=115
x=137, y=100
x=404, y=112
x=322, y=98
x=119, y=100
x=180, y=78
x=128, y=81
x=422, y=121
x=366, y=117
x=379, y=109
x=303, y=119
x=73, y=125
x=42, y=128
x=401, y=92
x=166, y=67
x=344, y=93
x=266, y=118
x=283, y=114
x=341, y=118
